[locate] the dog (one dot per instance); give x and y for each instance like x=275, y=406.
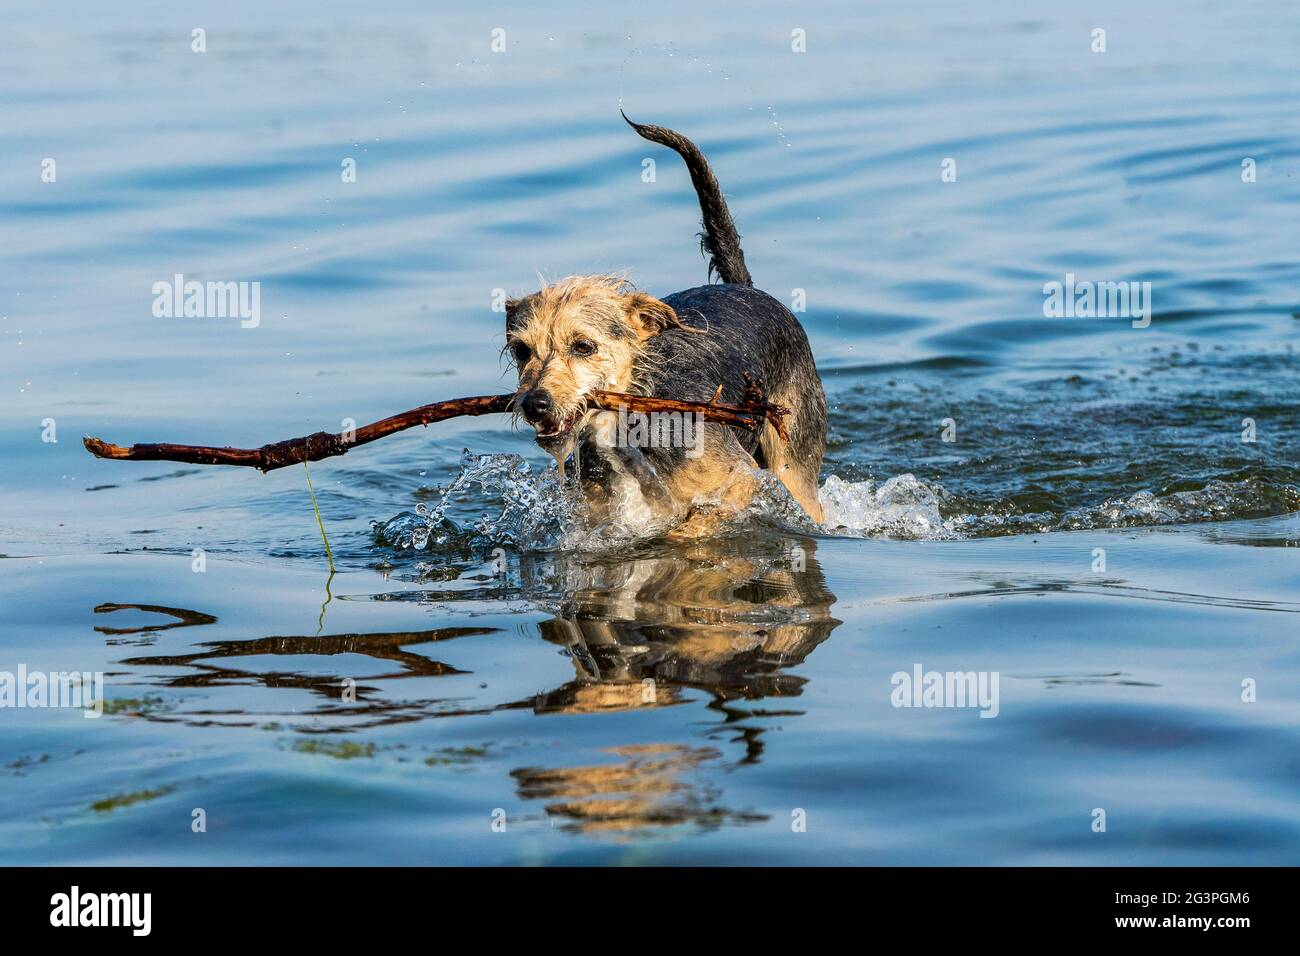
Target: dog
x=598, y=332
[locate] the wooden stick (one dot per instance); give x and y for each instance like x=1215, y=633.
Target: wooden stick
x=750, y=415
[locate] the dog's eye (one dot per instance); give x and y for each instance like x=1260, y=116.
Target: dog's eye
x=521, y=352
x=583, y=348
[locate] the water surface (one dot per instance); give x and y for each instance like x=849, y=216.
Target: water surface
x=1097, y=532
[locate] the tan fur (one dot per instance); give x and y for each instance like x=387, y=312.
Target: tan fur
x=712, y=489
x=800, y=477
x=580, y=307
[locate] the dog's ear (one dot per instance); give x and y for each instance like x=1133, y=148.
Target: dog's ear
x=649, y=317
x=516, y=311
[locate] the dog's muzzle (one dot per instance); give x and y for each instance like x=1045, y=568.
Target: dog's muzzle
x=539, y=411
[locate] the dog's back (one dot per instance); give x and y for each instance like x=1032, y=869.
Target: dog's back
x=734, y=330
x=745, y=331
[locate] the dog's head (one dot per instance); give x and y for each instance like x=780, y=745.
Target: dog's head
x=574, y=337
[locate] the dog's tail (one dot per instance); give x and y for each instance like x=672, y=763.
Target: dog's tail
x=719, y=240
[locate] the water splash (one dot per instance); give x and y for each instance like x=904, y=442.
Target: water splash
x=902, y=507
x=540, y=510
x=906, y=507
x=530, y=510
x=527, y=510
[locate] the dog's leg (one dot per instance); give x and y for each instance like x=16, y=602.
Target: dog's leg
x=798, y=462
x=796, y=476
x=718, y=485
x=633, y=463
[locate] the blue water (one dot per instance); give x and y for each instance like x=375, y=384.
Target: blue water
x=1096, y=532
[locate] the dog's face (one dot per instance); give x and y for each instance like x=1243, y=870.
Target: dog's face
x=580, y=335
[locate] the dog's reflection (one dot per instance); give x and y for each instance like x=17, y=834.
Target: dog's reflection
x=645, y=785
x=713, y=616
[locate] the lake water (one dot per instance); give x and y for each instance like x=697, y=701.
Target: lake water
x=1101, y=515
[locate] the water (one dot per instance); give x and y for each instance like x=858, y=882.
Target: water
x=1096, y=532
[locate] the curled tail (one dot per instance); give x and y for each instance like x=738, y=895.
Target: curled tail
x=719, y=240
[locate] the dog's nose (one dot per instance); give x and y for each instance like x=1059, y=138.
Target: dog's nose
x=535, y=405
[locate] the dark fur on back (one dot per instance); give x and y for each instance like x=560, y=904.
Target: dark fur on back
x=719, y=240
x=746, y=331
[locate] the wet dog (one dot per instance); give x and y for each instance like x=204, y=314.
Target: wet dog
x=588, y=333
